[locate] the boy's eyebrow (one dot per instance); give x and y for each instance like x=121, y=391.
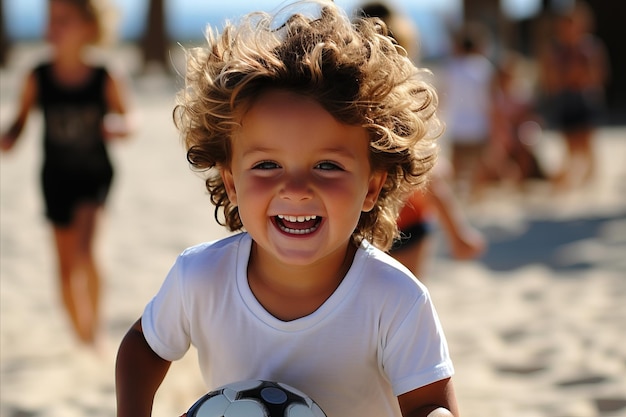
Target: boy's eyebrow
x=340, y=151
x=258, y=149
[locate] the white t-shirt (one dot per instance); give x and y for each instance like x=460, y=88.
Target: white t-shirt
x=376, y=337
x=466, y=99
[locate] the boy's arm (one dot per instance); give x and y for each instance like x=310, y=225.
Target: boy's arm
x=433, y=400
x=138, y=374
x=27, y=101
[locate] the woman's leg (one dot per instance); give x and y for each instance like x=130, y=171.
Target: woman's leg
x=66, y=242
x=80, y=279
x=579, y=162
x=86, y=220
x=583, y=144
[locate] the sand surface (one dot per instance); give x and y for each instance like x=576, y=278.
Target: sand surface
x=536, y=327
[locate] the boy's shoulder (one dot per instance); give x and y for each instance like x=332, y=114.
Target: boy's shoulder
x=213, y=261
x=386, y=273
x=216, y=247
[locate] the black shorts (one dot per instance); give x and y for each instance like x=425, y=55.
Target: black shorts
x=412, y=235
x=573, y=110
x=64, y=190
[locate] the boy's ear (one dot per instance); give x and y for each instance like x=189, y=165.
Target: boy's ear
x=229, y=184
x=376, y=182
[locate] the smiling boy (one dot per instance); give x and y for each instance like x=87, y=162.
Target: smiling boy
x=312, y=130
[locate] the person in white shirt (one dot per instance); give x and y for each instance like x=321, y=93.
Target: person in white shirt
x=312, y=131
x=467, y=86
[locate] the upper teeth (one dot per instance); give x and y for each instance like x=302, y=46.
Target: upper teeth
x=295, y=219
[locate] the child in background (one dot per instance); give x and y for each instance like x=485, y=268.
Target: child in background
x=83, y=107
x=467, y=101
x=313, y=131
x=515, y=126
x=435, y=203
x=400, y=26
x=426, y=208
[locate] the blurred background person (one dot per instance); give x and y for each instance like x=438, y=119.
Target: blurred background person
x=400, y=26
x=84, y=107
x=573, y=73
x=467, y=91
x=515, y=126
x=427, y=208
x=436, y=202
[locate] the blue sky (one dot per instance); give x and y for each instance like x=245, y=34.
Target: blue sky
x=187, y=19
x=22, y=15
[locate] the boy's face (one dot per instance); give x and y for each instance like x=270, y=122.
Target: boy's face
x=300, y=178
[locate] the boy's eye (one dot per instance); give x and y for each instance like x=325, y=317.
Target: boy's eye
x=328, y=166
x=266, y=165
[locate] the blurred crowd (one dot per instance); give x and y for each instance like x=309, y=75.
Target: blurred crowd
x=495, y=103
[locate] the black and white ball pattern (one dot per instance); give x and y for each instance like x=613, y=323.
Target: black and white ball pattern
x=255, y=398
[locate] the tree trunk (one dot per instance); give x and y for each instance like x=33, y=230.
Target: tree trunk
x=155, y=42
x=4, y=39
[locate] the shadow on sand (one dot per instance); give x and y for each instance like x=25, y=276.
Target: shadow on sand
x=561, y=245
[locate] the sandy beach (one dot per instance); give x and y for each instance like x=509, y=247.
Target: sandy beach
x=536, y=326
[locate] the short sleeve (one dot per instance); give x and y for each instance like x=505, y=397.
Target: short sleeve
x=417, y=354
x=165, y=321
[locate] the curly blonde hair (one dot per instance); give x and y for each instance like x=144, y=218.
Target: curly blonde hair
x=353, y=69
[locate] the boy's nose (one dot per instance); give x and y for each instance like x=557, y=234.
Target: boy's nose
x=296, y=188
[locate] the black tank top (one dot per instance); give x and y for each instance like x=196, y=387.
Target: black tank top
x=73, y=138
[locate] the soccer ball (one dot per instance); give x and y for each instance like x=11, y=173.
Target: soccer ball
x=255, y=398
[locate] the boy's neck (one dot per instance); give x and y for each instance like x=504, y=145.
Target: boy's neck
x=290, y=292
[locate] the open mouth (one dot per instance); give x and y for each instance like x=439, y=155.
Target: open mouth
x=297, y=225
